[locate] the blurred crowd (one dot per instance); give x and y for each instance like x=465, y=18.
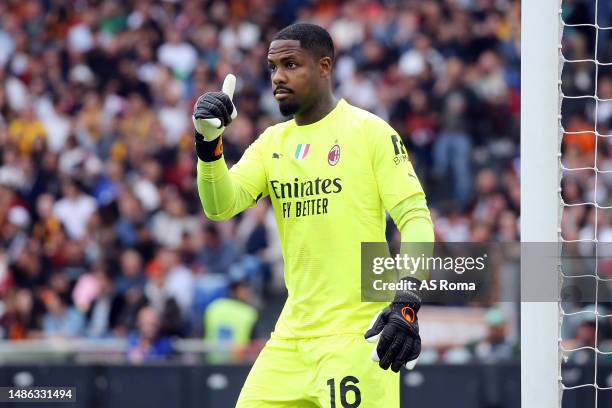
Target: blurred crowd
x=101, y=229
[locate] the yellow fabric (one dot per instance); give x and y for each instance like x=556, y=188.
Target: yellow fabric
x=24, y=134
x=325, y=206
x=229, y=320
x=138, y=124
x=412, y=219
x=296, y=374
x=229, y=323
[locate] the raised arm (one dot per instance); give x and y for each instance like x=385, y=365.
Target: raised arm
x=224, y=193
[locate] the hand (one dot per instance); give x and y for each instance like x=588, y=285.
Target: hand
x=396, y=331
x=214, y=111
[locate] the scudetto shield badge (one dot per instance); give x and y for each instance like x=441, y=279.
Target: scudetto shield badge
x=333, y=157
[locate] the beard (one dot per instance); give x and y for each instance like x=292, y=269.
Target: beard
x=288, y=108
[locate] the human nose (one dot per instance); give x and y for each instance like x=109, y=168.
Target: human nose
x=278, y=77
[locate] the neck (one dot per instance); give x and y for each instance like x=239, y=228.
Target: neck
x=317, y=111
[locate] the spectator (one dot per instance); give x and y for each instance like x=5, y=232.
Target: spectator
x=26, y=130
x=237, y=332
x=179, y=280
x=495, y=347
x=131, y=215
x=61, y=320
x=13, y=235
x=147, y=344
x=22, y=316
x=453, y=150
x=173, y=117
x=138, y=119
x=74, y=209
x=170, y=224
x=104, y=311
x=131, y=269
x=217, y=254
x=588, y=335
x=177, y=54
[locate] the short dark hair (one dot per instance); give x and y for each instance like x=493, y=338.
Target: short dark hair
x=312, y=37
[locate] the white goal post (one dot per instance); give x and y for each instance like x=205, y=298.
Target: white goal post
x=540, y=183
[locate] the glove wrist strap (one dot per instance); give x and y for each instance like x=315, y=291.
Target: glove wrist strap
x=409, y=297
x=208, y=151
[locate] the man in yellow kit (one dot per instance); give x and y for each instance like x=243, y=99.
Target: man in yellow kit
x=330, y=173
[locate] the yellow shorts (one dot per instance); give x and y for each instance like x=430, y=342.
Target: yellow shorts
x=324, y=372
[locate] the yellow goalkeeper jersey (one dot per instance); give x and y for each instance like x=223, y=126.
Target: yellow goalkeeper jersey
x=329, y=183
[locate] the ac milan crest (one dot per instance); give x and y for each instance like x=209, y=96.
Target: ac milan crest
x=333, y=157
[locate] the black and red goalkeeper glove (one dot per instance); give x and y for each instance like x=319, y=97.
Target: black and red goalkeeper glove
x=396, y=332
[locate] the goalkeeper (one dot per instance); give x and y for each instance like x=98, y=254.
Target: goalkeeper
x=330, y=173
